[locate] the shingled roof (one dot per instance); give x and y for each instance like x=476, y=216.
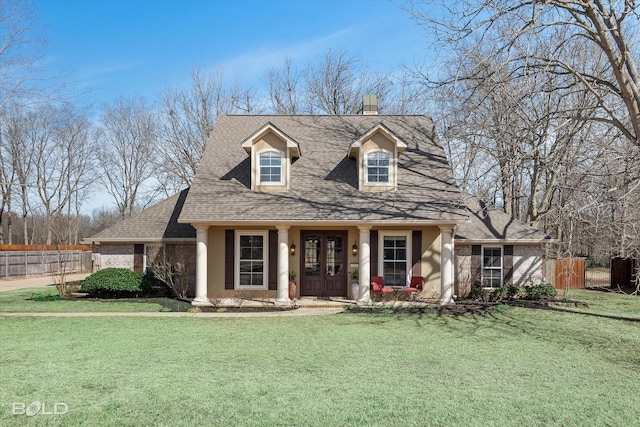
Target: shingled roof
x=489, y=224
x=324, y=180
x=155, y=224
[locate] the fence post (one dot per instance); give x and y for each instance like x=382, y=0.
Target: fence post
x=6, y=264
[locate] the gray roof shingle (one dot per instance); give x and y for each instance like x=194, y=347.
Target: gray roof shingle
x=491, y=224
x=156, y=223
x=324, y=182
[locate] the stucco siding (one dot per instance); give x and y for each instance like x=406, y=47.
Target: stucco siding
x=527, y=265
x=430, y=268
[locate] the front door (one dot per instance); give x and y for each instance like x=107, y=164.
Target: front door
x=324, y=272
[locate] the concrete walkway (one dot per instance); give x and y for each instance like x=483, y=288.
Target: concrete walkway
x=287, y=313
x=36, y=282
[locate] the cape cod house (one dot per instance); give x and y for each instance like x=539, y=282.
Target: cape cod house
x=323, y=196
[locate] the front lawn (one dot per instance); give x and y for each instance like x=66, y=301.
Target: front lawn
x=26, y=301
x=606, y=303
x=514, y=367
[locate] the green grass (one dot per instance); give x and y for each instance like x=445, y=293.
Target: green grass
x=606, y=303
x=519, y=367
x=23, y=301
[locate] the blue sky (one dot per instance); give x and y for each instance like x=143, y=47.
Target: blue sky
x=137, y=48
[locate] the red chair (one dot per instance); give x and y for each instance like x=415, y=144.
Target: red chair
x=417, y=285
x=377, y=285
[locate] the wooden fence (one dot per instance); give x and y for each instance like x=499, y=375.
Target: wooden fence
x=39, y=248
x=565, y=272
x=21, y=263
x=621, y=272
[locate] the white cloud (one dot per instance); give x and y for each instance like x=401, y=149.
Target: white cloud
x=253, y=64
x=94, y=76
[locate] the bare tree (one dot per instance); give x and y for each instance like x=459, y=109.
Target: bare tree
x=338, y=82
x=58, y=138
x=7, y=175
x=609, y=26
x=286, y=90
x=20, y=50
x=174, y=265
x=126, y=140
x=186, y=118
x=101, y=219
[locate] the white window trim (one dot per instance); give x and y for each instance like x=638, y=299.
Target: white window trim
x=392, y=163
x=265, y=259
x=501, y=247
x=283, y=159
x=381, y=235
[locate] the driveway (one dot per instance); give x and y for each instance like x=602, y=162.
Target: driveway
x=36, y=281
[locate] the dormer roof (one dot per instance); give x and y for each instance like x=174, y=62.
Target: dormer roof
x=292, y=144
x=356, y=145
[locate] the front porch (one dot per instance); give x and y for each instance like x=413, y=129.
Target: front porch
x=258, y=261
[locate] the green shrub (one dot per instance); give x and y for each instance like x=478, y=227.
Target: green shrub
x=47, y=297
x=476, y=292
x=113, y=281
x=532, y=293
x=498, y=294
x=150, y=281
x=541, y=291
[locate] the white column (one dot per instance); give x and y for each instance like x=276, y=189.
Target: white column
x=446, y=266
x=202, y=240
x=282, y=295
x=365, y=265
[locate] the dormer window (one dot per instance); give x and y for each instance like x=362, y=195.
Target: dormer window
x=270, y=167
x=378, y=164
x=272, y=155
x=376, y=153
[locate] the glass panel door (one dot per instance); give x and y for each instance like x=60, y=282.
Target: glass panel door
x=334, y=264
x=312, y=247
x=323, y=266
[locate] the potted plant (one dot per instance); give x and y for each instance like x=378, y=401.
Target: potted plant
x=292, y=284
x=355, y=284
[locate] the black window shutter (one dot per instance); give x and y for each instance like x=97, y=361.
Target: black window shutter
x=476, y=264
x=138, y=258
x=229, y=259
x=416, y=250
x=373, y=239
x=273, y=260
x=507, y=264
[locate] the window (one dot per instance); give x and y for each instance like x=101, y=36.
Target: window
x=378, y=167
x=270, y=167
x=395, y=265
x=492, y=267
x=251, y=267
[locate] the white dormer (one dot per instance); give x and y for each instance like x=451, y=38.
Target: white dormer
x=376, y=154
x=272, y=152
